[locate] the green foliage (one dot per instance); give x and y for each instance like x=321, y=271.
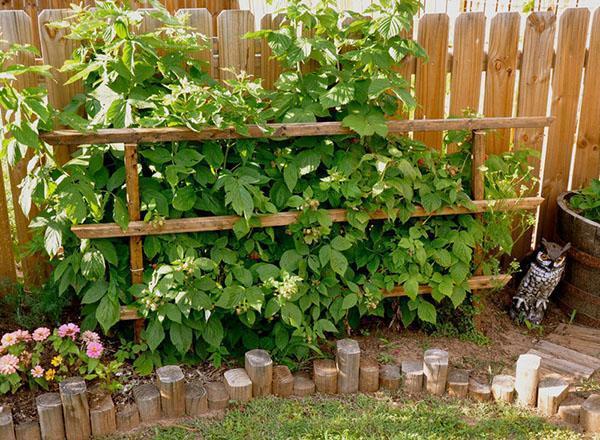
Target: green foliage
x=586, y=201
x=210, y=295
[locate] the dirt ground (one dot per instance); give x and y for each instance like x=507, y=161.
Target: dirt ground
x=497, y=353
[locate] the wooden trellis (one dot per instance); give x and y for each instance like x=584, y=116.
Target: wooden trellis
x=136, y=229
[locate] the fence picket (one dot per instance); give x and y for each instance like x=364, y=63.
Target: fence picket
x=467, y=59
x=235, y=52
x=201, y=21
x=566, y=86
x=55, y=50
x=430, y=81
x=503, y=53
x=534, y=83
x=270, y=69
x=587, y=153
x=15, y=27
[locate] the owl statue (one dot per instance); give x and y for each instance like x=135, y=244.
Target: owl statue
x=539, y=282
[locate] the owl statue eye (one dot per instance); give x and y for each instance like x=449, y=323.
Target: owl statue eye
x=560, y=260
x=544, y=257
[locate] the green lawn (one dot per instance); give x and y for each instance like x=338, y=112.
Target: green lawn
x=366, y=417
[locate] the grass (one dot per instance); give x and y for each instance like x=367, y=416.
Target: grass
x=365, y=417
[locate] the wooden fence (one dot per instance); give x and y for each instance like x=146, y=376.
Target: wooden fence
x=505, y=65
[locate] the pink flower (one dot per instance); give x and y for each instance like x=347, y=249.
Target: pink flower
x=89, y=336
x=23, y=335
x=8, y=364
x=37, y=371
x=95, y=350
x=68, y=331
x=9, y=339
x=41, y=334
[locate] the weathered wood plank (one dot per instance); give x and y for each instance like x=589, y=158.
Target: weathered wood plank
x=270, y=69
x=562, y=365
x=201, y=22
x=430, y=80
x=567, y=353
x=587, y=152
x=566, y=88
x=500, y=75
x=235, y=52
x=467, y=58
x=534, y=83
x=221, y=223
x=167, y=134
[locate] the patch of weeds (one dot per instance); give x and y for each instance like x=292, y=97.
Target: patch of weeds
x=385, y=358
x=448, y=330
x=591, y=385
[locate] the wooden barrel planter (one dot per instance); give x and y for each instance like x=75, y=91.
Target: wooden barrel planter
x=580, y=288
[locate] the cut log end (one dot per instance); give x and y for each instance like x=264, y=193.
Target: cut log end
x=28, y=431
x=218, y=397
x=552, y=391
x=325, y=374
x=503, y=388
x=50, y=414
x=458, y=383
x=171, y=385
x=348, y=365
x=7, y=427
x=303, y=386
x=196, y=399
x=128, y=417
x=76, y=411
x=389, y=377
x=259, y=366
x=435, y=366
x=368, y=376
x=590, y=414
x=238, y=384
x=527, y=379
x=480, y=392
x=103, y=417
x=412, y=372
x=147, y=399
x=283, y=381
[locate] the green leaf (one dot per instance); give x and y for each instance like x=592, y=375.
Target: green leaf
x=291, y=314
x=171, y=311
x=151, y=246
x=341, y=243
x=426, y=311
x=290, y=175
x=289, y=260
x=95, y=292
x=120, y=213
x=108, y=250
x=108, y=312
x=213, y=332
x=181, y=337
x=338, y=262
x=52, y=238
x=154, y=334
x=116, y=180
x=327, y=326
x=350, y=301
x=411, y=287
x=184, y=198
x=340, y=94
x=92, y=264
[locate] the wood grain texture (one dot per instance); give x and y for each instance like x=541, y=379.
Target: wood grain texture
x=238, y=384
x=587, y=148
x=430, y=80
x=259, y=366
x=201, y=22
x=56, y=49
x=226, y=222
x=458, y=383
x=413, y=376
x=534, y=83
x=270, y=69
x=128, y=417
x=503, y=388
x=76, y=410
x=435, y=368
x=16, y=27
x=389, y=377
x=50, y=415
x=325, y=376
x=103, y=417
x=503, y=54
x=283, y=381
x=28, y=431
x=566, y=87
x=147, y=399
x=368, y=376
x=347, y=359
x=590, y=414
x=467, y=59
x=527, y=377
x=478, y=391
x=170, y=382
x=235, y=52
x=7, y=426
x=196, y=399
x=167, y=134
x=218, y=398
x=552, y=390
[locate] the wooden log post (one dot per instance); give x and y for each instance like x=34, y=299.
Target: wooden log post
x=552, y=391
x=238, y=384
x=28, y=431
x=7, y=427
x=196, y=399
x=503, y=388
x=50, y=415
x=171, y=384
x=348, y=364
x=132, y=186
x=478, y=391
x=325, y=375
x=259, y=366
x=569, y=412
x=76, y=410
x=389, y=377
x=218, y=398
x=368, y=376
x=147, y=399
x=128, y=417
x=303, y=386
x=103, y=417
x=458, y=383
x=283, y=381
x=527, y=377
x=435, y=368
x=590, y=414
x=412, y=375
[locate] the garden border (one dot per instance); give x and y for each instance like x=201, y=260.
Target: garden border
x=131, y=137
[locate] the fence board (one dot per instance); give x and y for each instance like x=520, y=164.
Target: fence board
x=503, y=53
x=15, y=27
x=235, y=52
x=566, y=85
x=270, y=69
x=149, y=23
x=467, y=59
x=430, y=81
x=201, y=21
x=55, y=50
x=587, y=152
x=534, y=83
